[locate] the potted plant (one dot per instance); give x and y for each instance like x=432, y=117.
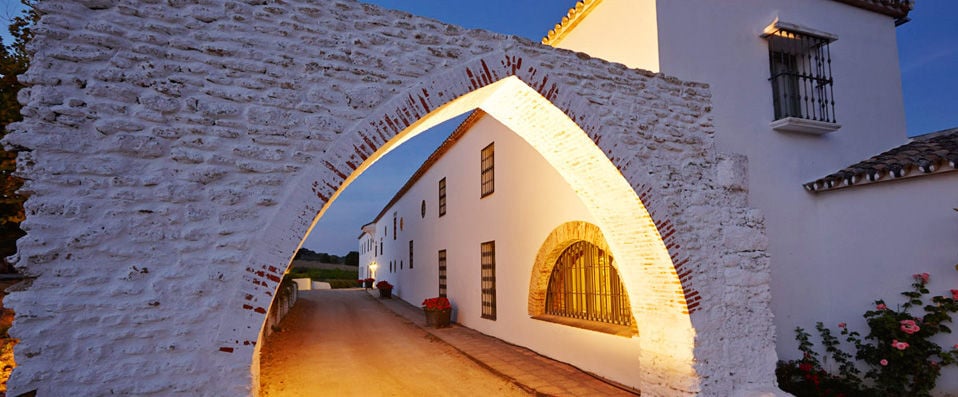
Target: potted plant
x=368, y=283
x=360, y=282
x=438, y=312
x=385, y=289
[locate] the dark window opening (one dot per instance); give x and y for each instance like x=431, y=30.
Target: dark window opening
x=488, y=164
x=488, y=281
x=801, y=76
x=442, y=273
x=442, y=197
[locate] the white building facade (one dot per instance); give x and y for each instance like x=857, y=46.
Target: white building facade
x=802, y=89
x=368, y=252
x=476, y=238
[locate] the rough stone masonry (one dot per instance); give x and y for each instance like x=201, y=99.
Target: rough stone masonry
x=176, y=152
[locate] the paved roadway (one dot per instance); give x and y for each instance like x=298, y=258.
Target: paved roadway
x=345, y=343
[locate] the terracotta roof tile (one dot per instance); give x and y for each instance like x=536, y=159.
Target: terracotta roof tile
x=897, y=9
x=923, y=155
x=444, y=147
x=572, y=18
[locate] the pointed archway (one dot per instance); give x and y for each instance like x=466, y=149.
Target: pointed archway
x=182, y=178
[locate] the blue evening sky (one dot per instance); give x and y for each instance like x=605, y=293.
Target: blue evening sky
x=928, y=56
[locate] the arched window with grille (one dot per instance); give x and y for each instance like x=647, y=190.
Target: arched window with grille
x=585, y=286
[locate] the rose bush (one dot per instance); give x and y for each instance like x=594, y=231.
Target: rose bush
x=898, y=357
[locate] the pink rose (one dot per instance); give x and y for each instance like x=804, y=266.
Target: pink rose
x=954, y=294
x=923, y=277
x=909, y=327
x=899, y=345
x=881, y=306
x=883, y=362
x=841, y=325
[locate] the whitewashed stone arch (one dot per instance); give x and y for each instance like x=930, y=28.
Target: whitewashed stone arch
x=179, y=152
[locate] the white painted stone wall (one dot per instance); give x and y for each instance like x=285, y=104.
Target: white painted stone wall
x=867, y=240
x=179, y=152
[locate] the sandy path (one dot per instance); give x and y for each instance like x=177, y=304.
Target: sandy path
x=344, y=343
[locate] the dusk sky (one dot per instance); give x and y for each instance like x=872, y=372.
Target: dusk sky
x=927, y=47
x=928, y=56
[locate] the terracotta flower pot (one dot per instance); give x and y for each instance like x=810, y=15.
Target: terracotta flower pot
x=438, y=318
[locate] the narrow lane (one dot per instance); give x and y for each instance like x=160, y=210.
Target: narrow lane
x=344, y=343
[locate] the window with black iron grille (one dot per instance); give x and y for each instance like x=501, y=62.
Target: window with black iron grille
x=585, y=285
x=394, y=225
x=442, y=197
x=488, y=170
x=442, y=273
x=488, y=264
x=801, y=75
x=410, y=254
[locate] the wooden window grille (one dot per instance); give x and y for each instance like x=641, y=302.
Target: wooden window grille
x=442, y=197
x=442, y=273
x=585, y=285
x=488, y=265
x=488, y=164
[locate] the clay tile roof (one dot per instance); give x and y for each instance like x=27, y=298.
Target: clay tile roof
x=926, y=154
x=444, y=147
x=897, y=9
x=572, y=18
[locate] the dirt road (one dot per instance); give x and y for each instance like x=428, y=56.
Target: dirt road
x=344, y=343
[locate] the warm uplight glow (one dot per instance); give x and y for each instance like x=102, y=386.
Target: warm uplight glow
x=658, y=301
x=372, y=269
x=7, y=362
x=644, y=264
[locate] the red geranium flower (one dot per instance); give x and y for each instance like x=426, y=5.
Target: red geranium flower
x=440, y=303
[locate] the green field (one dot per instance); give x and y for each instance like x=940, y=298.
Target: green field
x=337, y=278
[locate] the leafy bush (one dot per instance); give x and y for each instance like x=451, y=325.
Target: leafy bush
x=342, y=283
x=900, y=358
x=336, y=278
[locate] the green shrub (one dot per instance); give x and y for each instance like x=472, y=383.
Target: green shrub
x=336, y=278
x=342, y=283
x=323, y=274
